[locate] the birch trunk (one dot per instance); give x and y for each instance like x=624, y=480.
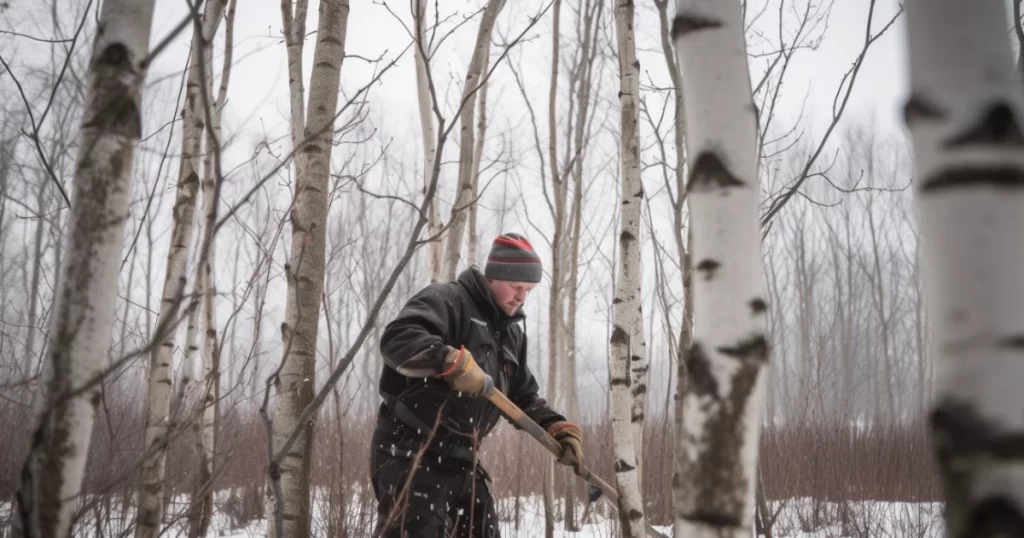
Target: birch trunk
x=149, y=516
x=478, y=154
x=964, y=117
x=463, y=197
x=591, y=23
x=680, y=234
x=86, y=293
x=626, y=306
x=29, y=361
x=207, y=419
x=305, y=272
x=717, y=447
x=554, y=301
x=428, y=133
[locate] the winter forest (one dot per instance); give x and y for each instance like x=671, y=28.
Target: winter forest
x=780, y=241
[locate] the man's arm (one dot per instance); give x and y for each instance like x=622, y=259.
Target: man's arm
x=414, y=342
x=525, y=395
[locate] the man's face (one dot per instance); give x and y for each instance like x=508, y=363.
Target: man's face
x=508, y=295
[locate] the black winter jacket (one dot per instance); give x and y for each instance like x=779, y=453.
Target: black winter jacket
x=414, y=346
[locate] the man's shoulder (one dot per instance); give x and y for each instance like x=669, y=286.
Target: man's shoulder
x=440, y=293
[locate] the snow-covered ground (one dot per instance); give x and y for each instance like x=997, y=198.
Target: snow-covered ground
x=794, y=518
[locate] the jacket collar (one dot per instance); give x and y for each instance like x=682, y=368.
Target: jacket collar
x=476, y=284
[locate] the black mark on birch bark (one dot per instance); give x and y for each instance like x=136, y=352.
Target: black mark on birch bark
x=998, y=127
x=710, y=173
x=707, y=268
x=1001, y=177
x=621, y=466
x=753, y=349
x=1014, y=341
x=701, y=382
x=993, y=518
x=684, y=23
x=920, y=108
x=758, y=306
x=619, y=336
x=115, y=110
x=961, y=433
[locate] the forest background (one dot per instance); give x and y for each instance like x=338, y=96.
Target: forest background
x=849, y=368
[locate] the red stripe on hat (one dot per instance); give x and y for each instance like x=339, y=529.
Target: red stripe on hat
x=521, y=244
x=513, y=260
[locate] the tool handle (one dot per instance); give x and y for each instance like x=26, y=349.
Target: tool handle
x=513, y=412
x=523, y=421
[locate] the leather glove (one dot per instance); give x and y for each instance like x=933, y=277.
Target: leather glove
x=571, y=438
x=463, y=373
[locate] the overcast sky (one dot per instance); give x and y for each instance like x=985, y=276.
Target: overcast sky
x=258, y=91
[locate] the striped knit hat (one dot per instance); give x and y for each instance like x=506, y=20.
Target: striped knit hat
x=512, y=258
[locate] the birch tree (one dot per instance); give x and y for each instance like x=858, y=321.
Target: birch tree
x=717, y=447
x=205, y=424
x=554, y=297
x=964, y=116
x=464, y=189
x=625, y=349
x=158, y=399
x=84, y=302
x=295, y=383
x=428, y=133
x=588, y=27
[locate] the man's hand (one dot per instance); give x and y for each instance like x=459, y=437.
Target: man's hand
x=571, y=438
x=463, y=374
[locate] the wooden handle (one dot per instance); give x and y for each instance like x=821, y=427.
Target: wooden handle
x=525, y=422
x=515, y=414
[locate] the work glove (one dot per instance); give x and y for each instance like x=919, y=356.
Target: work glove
x=464, y=375
x=571, y=438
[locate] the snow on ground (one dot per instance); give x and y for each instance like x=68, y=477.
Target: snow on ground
x=794, y=518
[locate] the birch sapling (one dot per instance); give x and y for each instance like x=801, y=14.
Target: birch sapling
x=86, y=292
x=964, y=116
x=554, y=299
x=717, y=446
x=149, y=515
x=474, y=74
x=626, y=305
x=294, y=387
x=202, y=500
x=428, y=133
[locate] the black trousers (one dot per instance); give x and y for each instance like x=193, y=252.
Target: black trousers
x=445, y=498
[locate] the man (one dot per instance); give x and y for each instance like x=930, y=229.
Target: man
x=448, y=346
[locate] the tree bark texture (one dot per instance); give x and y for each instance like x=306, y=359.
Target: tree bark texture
x=625, y=349
x=305, y=271
x=554, y=298
x=149, y=515
x=86, y=292
x=464, y=189
x=964, y=116
x=716, y=449
x=206, y=423
x=428, y=133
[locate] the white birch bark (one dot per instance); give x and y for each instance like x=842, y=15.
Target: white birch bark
x=86, y=292
x=554, y=301
x=478, y=154
x=305, y=271
x=717, y=447
x=210, y=351
x=29, y=361
x=428, y=133
x=149, y=515
x=964, y=116
x=626, y=305
x=464, y=189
